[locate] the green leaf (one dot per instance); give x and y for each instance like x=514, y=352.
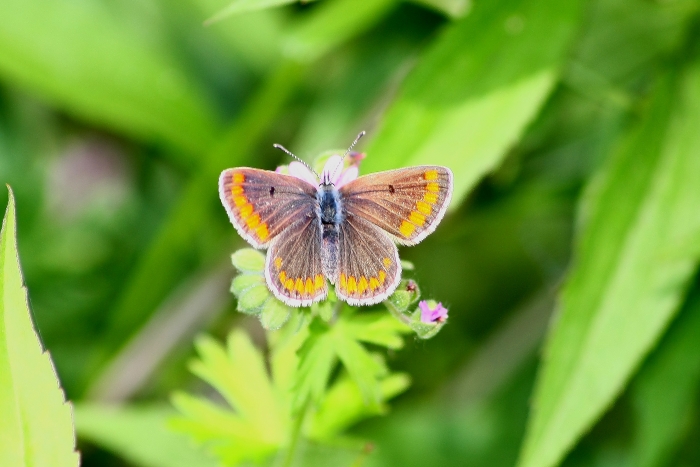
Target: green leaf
x=253, y=298
x=344, y=405
x=84, y=59
x=377, y=328
x=242, y=6
x=620, y=296
x=364, y=369
x=274, y=314
x=452, y=8
x=331, y=24
x=244, y=282
x=664, y=393
x=139, y=434
x=239, y=374
x=37, y=426
x=257, y=423
x=248, y=260
x=316, y=360
x=476, y=89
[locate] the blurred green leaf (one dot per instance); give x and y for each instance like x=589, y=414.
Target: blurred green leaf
x=242, y=6
x=139, y=434
x=258, y=424
x=476, y=88
x=344, y=405
x=331, y=24
x=316, y=361
x=37, y=426
x=619, y=296
x=82, y=57
x=168, y=259
x=665, y=391
x=452, y=8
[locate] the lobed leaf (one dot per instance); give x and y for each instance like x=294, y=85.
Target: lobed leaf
x=622, y=290
x=36, y=428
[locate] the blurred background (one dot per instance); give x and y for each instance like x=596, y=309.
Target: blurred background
x=116, y=118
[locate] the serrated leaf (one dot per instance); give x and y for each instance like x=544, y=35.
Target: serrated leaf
x=619, y=296
x=248, y=260
x=83, y=59
x=240, y=375
x=37, y=426
x=476, y=89
x=139, y=434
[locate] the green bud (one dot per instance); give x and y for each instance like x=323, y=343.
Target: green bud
x=248, y=260
x=274, y=314
x=243, y=282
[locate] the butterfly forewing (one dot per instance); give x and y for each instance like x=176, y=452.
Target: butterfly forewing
x=406, y=203
x=368, y=263
x=293, y=268
x=261, y=204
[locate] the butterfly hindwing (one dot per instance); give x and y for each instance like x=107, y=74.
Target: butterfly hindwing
x=406, y=203
x=293, y=268
x=368, y=263
x=262, y=204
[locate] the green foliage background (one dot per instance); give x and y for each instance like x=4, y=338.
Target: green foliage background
x=568, y=260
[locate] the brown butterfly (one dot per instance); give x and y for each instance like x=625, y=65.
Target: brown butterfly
x=335, y=229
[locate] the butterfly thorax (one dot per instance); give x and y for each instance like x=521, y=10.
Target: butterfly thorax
x=331, y=217
x=329, y=201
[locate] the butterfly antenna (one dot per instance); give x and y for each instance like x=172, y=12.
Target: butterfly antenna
x=282, y=148
x=342, y=159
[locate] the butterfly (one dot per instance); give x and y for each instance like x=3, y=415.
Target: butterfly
x=329, y=228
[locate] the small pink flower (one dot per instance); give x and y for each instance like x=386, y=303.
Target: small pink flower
x=332, y=170
x=431, y=312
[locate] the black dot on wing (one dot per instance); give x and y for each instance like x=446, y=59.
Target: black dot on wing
x=391, y=189
x=272, y=191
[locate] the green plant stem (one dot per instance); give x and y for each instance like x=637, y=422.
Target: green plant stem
x=396, y=313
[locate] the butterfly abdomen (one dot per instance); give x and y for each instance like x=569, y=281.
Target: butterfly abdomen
x=331, y=216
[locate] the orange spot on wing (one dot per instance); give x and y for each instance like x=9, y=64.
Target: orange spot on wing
x=362, y=285
x=407, y=229
x=289, y=284
x=432, y=186
x=424, y=207
x=382, y=277
x=246, y=210
x=240, y=200
x=238, y=178
x=278, y=263
x=431, y=175
x=253, y=221
x=387, y=262
x=299, y=285
x=262, y=231
x=309, y=286
x=283, y=277
x=417, y=218
x=319, y=282
x=343, y=281
x=236, y=190
x=430, y=197
x=352, y=285
x=373, y=283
